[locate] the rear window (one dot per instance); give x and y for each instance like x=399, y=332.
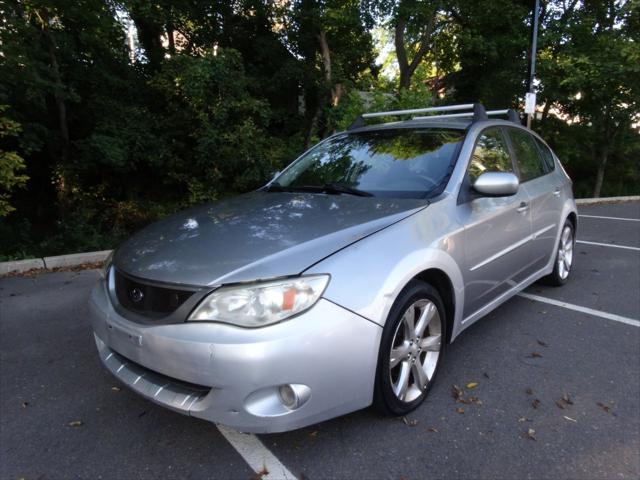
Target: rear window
x=398, y=163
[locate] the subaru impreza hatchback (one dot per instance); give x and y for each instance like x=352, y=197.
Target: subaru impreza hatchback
x=340, y=283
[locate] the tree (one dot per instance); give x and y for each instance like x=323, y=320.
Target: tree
x=591, y=74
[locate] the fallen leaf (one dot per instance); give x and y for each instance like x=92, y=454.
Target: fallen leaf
x=535, y=403
x=432, y=429
x=604, y=407
x=570, y=419
x=456, y=392
x=262, y=473
x=460, y=410
x=76, y=423
x=560, y=404
x=542, y=344
x=472, y=385
x=535, y=355
x=116, y=389
x=529, y=391
x=409, y=423
x=530, y=434
x=524, y=419
x=567, y=399
x=314, y=434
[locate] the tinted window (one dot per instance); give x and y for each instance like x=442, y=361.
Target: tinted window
x=547, y=156
x=387, y=163
x=490, y=154
x=527, y=155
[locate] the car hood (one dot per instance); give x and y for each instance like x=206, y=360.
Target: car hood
x=255, y=236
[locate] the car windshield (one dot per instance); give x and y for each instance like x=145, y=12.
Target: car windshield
x=400, y=163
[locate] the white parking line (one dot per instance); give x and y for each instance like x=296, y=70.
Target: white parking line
x=578, y=308
x=611, y=218
x=625, y=247
x=259, y=458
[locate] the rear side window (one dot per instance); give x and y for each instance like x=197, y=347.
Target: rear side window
x=490, y=154
x=527, y=155
x=547, y=156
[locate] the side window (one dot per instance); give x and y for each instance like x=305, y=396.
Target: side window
x=547, y=156
x=490, y=154
x=527, y=155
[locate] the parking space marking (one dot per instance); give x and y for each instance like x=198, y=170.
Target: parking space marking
x=259, y=457
x=578, y=308
x=608, y=245
x=611, y=218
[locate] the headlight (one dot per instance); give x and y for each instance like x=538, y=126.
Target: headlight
x=261, y=304
x=107, y=264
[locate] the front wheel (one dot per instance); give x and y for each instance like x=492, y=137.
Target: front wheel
x=411, y=349
x=564, y=256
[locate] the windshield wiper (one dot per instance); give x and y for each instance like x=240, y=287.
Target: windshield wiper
x=331, y=188
x=341, y=188
x=276, y=187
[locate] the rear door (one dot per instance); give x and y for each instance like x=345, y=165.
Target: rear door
x=497, y=229
x=537, y=180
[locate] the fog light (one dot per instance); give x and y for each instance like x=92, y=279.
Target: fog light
x=288, y=396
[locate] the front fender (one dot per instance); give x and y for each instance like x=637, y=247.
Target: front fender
x=368, y=276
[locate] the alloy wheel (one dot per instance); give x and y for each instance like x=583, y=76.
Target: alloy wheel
x=415, y=350
x=565, y=252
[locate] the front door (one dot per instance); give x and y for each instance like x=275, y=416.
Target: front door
x=497, y=229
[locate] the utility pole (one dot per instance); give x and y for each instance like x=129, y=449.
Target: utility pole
x=530, y=98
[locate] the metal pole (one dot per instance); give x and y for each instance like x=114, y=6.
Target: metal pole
x=534, y=50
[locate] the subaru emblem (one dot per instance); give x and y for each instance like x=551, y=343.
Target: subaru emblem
x=136, y=295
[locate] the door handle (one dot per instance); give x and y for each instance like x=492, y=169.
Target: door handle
x=556, y=192
x=523, y=207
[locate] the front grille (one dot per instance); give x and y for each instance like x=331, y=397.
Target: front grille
x=147, y=299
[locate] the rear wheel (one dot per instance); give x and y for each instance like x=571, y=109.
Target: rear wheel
x=411, y=349
x=564, y=256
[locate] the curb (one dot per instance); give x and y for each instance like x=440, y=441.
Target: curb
x=50, y=263
x=75, y=259
x=593, y=201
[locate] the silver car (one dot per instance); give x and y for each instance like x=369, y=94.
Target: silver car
x=340, y=283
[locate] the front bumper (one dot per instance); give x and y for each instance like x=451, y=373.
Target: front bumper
x=230, y=375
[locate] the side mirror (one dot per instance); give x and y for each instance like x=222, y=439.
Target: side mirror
x=496, y=184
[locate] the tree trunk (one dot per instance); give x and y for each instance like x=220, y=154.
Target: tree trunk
x=337, y=89
x=604, y=155
x=313, y=122
x=171, y=39
x=407, y=69
x=64, y=188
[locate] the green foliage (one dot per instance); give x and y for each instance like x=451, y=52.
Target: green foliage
x=97, y=140
x=11, y=164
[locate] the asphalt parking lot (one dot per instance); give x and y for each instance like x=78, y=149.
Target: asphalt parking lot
x=557, y=395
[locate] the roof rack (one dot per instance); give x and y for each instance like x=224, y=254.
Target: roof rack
x=476, y=111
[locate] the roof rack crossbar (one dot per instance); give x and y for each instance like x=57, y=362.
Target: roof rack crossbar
x=475, y=111
x=461, y=115
x=445, y=108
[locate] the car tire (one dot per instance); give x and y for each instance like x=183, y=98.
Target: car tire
x=563, y=261
x=409, y=358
